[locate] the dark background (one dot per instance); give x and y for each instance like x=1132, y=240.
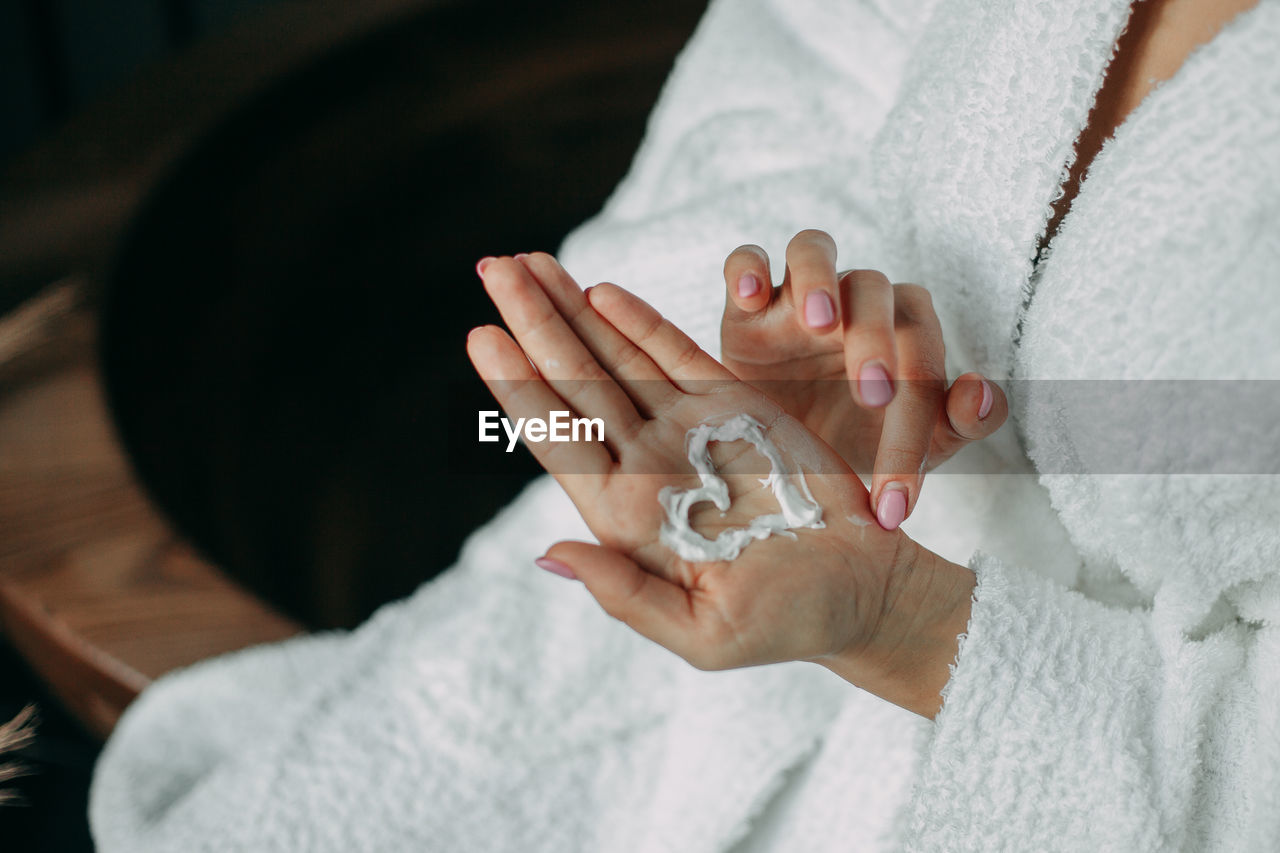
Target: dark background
x=283, y=268
x=57, y=55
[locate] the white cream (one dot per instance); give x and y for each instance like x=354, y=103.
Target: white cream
x=799, y=509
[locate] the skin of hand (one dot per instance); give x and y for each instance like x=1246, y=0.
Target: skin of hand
x=858, y=361
x=869, y=604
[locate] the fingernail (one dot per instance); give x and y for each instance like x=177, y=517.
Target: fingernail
x=892, y=508
x=874, y=385
x=818, y=310
x=522, y=256
x=748, y=285
x=555, y=567
x=984, y=408
x=481, y=264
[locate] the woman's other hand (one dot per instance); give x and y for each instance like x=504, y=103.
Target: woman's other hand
x=857, y=360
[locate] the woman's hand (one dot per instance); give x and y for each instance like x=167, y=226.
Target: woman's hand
x=858, y=361
x=833, y=595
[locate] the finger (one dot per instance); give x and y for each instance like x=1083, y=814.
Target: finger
x=870, y=340
x=521, y=393
x=759, y=333
x=749, y=281
x=811, y=279
x=974, y=409
x=564, y=361
x=909, y=421
x=675, y=353
x=643, y=382
x=649, y=604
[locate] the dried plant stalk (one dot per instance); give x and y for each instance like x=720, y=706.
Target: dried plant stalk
x=15, y=735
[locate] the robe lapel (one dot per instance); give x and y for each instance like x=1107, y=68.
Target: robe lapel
x=1165, y=269
x=971, y=158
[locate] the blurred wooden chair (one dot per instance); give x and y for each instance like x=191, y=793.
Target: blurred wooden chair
x=96, y=590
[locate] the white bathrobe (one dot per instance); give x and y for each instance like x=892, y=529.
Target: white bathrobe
x=1119, y=685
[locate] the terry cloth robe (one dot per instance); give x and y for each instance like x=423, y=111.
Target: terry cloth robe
x=1118, y=687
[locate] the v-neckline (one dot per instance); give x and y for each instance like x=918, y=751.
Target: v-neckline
x=973, y=151
x=1054, y=222
x=1073, y=173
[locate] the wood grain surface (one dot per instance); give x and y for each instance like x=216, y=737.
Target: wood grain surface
x=96, y=591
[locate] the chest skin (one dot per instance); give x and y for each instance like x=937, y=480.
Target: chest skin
x=1159, y=37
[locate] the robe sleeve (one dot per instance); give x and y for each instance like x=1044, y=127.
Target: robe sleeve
x=1069, y=724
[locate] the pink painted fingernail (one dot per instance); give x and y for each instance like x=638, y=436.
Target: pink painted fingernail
x=984, y=408
x=818, y=310
x=555, y=567
x=481, y=264
x=748, y=285
x=874, y=385
x=892, y=508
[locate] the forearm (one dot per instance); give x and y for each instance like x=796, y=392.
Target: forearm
x=907, y=660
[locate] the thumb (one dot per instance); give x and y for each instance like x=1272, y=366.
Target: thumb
x=649, y=604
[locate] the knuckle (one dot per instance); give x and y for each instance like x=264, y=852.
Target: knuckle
x=899, y=461
x=923, y=350
x=913, y=294
x=624, y=356
x=868, y=279
x=926, y=373
x=577, y=316
x=913, y=306
x=519, y=395
x=651, y=328
x=624, y=604
x=687, y=355
x=867, y=342
x=587, y=369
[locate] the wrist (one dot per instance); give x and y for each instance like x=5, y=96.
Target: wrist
x=906, y=659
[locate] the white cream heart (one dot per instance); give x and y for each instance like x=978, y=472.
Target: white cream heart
x=799, y=509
